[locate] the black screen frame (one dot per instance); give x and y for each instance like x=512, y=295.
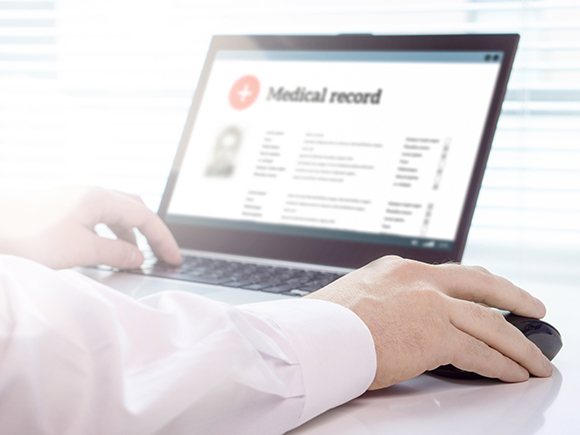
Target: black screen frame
x=332, y=252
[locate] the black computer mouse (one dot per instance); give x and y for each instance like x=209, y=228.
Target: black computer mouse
x=541, y=333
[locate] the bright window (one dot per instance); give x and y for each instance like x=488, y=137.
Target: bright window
x=96, y=92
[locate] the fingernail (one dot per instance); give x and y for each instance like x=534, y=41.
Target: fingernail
x=540, y=305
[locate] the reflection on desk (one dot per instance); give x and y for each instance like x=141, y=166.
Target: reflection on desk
x=438, y=406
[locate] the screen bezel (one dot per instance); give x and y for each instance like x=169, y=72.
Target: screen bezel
x=333, y=252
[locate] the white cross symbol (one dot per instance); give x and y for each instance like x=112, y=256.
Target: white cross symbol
x=244, y=93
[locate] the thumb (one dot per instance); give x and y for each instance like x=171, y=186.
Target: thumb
x=117, y=253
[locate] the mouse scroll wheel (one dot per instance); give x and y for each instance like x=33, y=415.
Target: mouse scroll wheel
x=530, y=327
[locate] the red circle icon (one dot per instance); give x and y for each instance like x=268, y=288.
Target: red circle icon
x=244, y=92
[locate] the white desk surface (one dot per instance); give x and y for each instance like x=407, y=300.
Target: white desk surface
x=428, y=404
x=445, y=406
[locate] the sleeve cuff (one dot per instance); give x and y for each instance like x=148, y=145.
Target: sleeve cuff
x=335, y=349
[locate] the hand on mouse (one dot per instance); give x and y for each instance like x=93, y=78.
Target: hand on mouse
x=56, y=227
x=423, y=316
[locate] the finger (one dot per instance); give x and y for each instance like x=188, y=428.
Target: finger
x=473, y=283
x=490, y=327
x=121, y=211
x=124, y=233
x=475, y=356
x=116, y=253
x=131, y=196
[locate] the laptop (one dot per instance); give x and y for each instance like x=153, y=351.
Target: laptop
x=305, y=157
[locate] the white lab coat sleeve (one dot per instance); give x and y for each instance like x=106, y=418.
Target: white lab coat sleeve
x=77, y=357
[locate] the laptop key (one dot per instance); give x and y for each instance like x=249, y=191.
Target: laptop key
x=312, y=286
x=257, y=286
x=297, y=282
x=239, y=283
x=205, y=279
x=296, y=292
x=278, y=289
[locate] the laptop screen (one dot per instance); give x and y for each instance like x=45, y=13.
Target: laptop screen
x=377, y=147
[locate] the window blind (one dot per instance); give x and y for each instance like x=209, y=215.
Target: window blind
x=97, y=92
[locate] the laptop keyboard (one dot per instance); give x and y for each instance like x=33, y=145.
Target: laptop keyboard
x=272, y=279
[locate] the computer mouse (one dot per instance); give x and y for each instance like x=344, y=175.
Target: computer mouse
x=541, y=333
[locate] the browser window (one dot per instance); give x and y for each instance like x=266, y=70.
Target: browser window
x=367, y=146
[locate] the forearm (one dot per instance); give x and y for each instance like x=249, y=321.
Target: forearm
x=92, y=359
x=13, y=238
